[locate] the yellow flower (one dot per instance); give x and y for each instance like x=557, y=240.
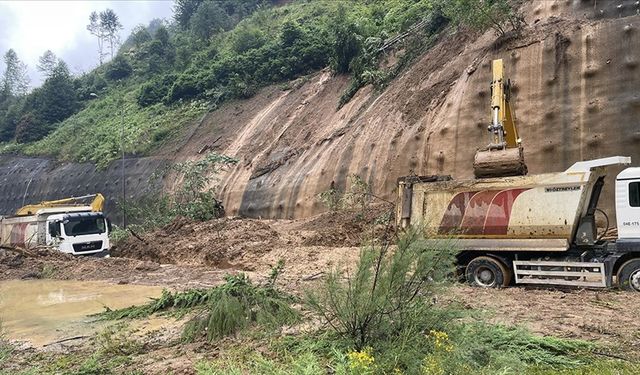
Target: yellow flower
x=441, y=340
x=432, y=366
x=361, y=361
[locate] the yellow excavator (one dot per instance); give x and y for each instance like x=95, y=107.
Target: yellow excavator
x=504, y=156
x=96, y=204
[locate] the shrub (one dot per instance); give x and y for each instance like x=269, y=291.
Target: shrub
x=118, y=68
x=192, y=198
x=481, y=14
x=30, y=129
x=155, y=91
x=388, y=293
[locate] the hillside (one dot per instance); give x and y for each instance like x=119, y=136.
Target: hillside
x=575, y=74
x=574, y=67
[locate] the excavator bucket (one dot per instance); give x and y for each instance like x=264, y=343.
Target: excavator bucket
x=499, y=163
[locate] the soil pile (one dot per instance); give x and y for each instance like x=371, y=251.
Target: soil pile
x=225, y=243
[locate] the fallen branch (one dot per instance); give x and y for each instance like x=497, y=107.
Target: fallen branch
x=313, y=277
x=65, y=340
x=18, y=250
x=137, y=236
x=611, y=356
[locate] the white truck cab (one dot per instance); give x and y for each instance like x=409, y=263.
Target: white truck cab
x=628, y=203
x=78, y=233
x=74, y=230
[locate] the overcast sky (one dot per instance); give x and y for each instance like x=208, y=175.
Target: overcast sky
x=32, y=27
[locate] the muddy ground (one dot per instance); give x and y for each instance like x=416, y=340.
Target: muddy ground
x=186, y=255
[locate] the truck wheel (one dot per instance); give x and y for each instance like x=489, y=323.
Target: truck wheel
x=629, y=275
x=487, y=272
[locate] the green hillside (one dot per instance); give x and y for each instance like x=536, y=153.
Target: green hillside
x=170, y=72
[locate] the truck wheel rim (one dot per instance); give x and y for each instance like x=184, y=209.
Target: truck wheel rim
x=484, y=276
x=634, y=280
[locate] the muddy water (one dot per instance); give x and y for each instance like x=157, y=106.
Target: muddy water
x=41, y=312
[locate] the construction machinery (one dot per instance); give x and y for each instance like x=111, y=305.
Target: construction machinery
x=535, y=229
x=504, y=155
x=72, y=225
x=96, y=204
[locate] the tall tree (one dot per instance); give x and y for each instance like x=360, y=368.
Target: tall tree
x=46, y=63
x=58, y=98
x=95, y=28
x=15, y=81
x=105, y=26
x=111, y=25
x=183, y=10
x=209, y=19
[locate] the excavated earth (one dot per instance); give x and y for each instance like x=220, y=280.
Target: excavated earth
x=192, y=255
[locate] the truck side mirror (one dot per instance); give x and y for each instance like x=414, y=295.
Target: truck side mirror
x=54, y=229
x=109, y=226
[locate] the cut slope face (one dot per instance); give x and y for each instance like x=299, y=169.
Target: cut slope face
x=575, y=76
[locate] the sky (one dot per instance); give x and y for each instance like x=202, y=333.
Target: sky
x=32, y=27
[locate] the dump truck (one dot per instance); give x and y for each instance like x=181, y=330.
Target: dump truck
x=69, y=225
x=532, y=229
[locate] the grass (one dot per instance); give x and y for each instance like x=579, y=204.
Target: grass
x=94, y=134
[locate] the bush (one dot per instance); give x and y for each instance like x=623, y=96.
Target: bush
x=118, y=68
x=481, y=14
x=155, y=91
x=30, y=129
x=389, y=293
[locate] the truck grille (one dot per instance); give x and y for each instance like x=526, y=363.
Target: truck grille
x=87, y=246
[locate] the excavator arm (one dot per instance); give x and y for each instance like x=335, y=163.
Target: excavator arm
x=97, y=204
x=504, y=156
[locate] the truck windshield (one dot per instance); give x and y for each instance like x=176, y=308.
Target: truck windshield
x=87, y=225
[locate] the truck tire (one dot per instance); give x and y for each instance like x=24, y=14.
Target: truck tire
x=629, y=275
x=487, y=272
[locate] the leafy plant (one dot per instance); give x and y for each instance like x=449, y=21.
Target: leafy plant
x=387, y=291
x=500, y=15
x=223, y=310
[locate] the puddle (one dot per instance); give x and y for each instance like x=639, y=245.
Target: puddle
x=43, y=311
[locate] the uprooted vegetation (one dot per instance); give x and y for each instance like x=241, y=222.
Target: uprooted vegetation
x=381, y=315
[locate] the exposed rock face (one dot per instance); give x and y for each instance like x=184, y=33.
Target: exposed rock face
x=576, y=82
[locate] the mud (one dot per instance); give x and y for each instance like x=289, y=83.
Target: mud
x=51, y=265
x=254, y=245
x=41, y=312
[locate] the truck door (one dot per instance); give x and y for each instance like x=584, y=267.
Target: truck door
x=628, y=203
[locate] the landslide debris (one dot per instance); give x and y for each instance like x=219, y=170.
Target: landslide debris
x=256, y=245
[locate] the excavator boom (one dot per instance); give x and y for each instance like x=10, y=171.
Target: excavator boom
x=96, y=204
x=504, y=156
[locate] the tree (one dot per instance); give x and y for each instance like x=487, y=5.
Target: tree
x=183, y=10
x=95, y=28
x=57, y=99
x=140, y=35
x=208, y=20
x=346, y=44
x=46, y=63
x=10, y=120
x=105, y=26
x=111, y=25
x=15, y=81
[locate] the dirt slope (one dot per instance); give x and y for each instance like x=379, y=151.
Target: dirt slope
x=575, y=71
